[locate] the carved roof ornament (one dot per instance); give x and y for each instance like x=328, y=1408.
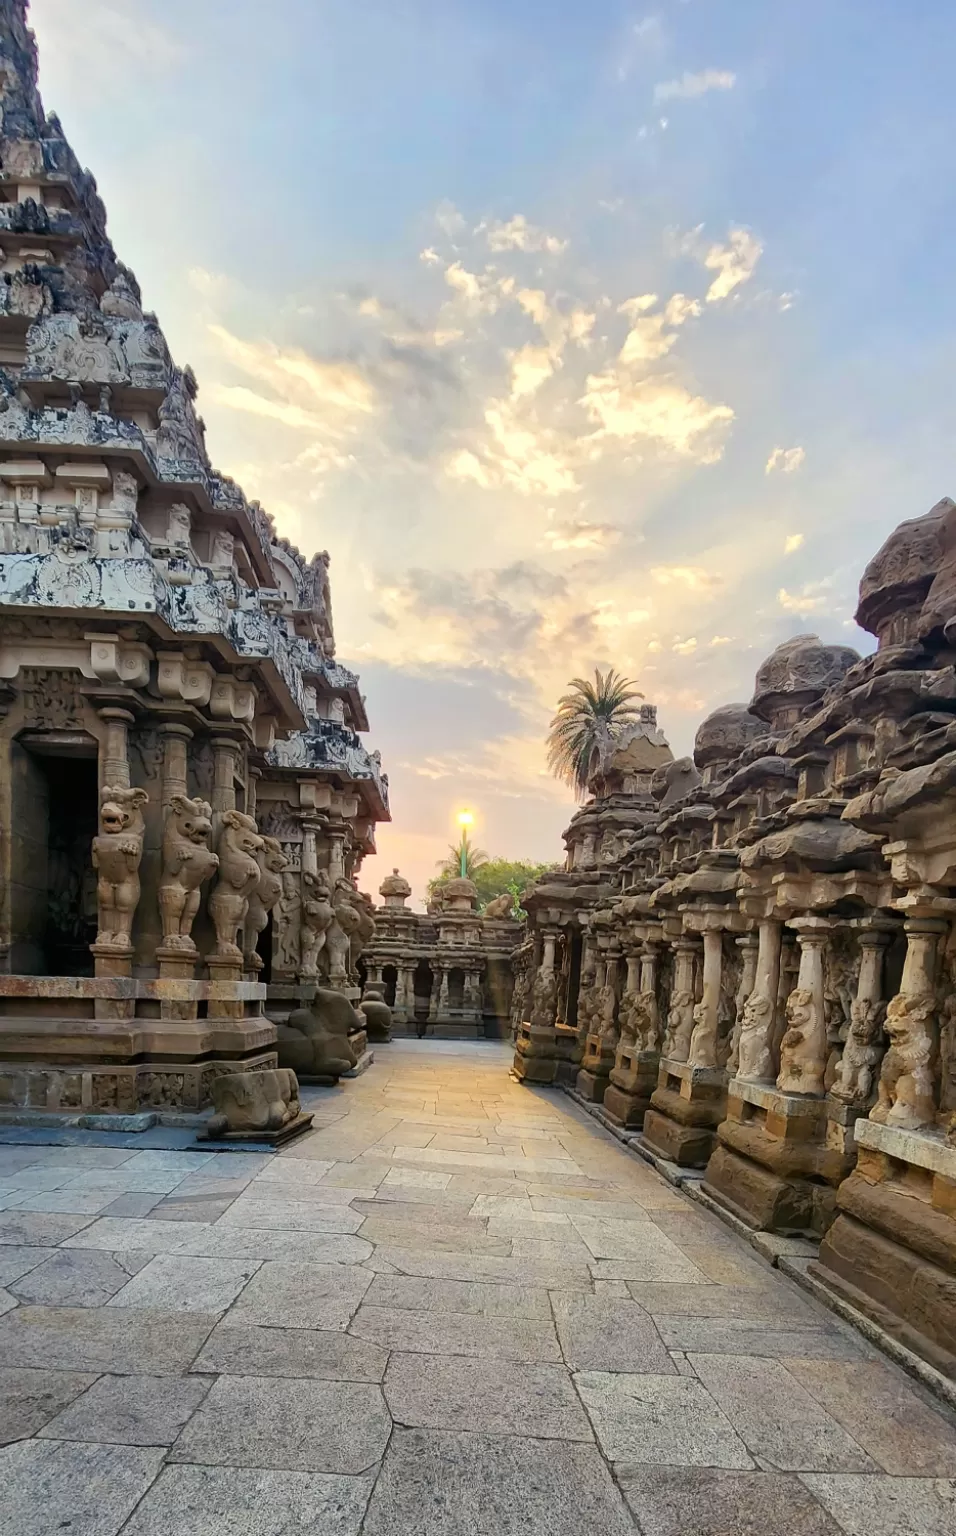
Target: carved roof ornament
x=795, y=675
x=724, y=735
x=898, y=579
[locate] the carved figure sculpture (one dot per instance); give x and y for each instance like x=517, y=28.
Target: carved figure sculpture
x=316, y=917
x=254, y=1101
x=754, y=1061
x=645, y=1021
x=607, y=1024
x=272, y=863
x=117, y=854
x=365, y=930
x=906, y=1081
x=187, y=862
x=287, y=924
x=801, y=1066
x=378, y=1015
x=502, y=906
x=544, y=999
x=314, y=1041
x=862, y=1054
x=344, y=926
x=239, y=872
x=680, y=1026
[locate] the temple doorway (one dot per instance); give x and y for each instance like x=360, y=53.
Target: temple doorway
x=53, y=884
x=424, y=981
x=390, y=982
x=456, y=987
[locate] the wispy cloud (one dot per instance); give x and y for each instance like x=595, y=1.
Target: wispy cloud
x=690, y=85
x=792, y=543
x=786, y=461
x=734, y=263
x=517, y=234
x=806, y=601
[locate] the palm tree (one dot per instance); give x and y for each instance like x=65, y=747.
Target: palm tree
x=450, y=868
x=588, y=714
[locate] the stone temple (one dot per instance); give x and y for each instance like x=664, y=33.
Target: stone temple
x=688, y=1268
x=748, y=967
x=184, y=795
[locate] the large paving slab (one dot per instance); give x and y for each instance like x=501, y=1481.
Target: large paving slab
x=458, y=1307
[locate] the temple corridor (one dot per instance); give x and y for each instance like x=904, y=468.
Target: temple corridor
x=456, y=1307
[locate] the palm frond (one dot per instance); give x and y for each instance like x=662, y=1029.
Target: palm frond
x=588, y=713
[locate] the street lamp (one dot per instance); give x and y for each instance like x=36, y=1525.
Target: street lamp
x=465, y=820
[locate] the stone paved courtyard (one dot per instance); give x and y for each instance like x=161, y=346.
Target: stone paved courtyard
x=457, y=1308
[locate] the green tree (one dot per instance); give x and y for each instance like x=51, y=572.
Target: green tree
x=495, y=877
x=450, y=867
x=587, y=714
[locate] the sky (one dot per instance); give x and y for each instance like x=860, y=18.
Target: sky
x=580, y=335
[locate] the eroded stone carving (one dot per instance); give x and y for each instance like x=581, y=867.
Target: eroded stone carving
x=239, y=874
x=272, y=865
x=315, y=920
x=254, y=1101
x=117, y=855
x=187, y=862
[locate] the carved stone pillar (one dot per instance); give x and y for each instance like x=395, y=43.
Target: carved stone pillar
x=114, y=753
x=748, y=971
x=755, y=1046
x=253, y=775
x=907, y=1091
x=804, y=1049
x=857, y=1075
x=680, y=1014
x=536, y=1048
x=634, y=1074
x=176, y=739
x=225, y=764
x=175, y=963
x=702, y=1051
x=336, y=836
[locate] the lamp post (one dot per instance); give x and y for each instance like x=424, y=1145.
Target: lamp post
x=465, y=820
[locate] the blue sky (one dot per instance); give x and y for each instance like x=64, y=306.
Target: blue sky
x=577, y=334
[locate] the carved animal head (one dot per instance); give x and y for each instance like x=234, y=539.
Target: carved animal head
x=121, y=810
x=315, y=884
x=192, y=819
x=799, y=1008
x=272, y=857
x=239, y=834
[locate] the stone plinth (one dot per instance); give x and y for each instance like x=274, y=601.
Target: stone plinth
x=569, y=1044
x=121, y=1044
x=775, y=1165
x=685, y=1110
x=535, y=1053
x=597, y=1065
x=628, y=1095
x=891, y=1250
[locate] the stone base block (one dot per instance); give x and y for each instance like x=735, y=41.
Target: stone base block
x=289, y=1132
x=566, y=1074
x=534, y=1069
x=892, y=1248
x=626, y=1109
x=690, y=1146
x=592, y=1086
x=913, y=1299
x=762, y=1199
x=685, y=1110
x=119, y=1089
x=536, y=1054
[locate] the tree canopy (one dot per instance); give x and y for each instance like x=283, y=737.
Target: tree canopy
x=587, y=714
x=493, y=877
